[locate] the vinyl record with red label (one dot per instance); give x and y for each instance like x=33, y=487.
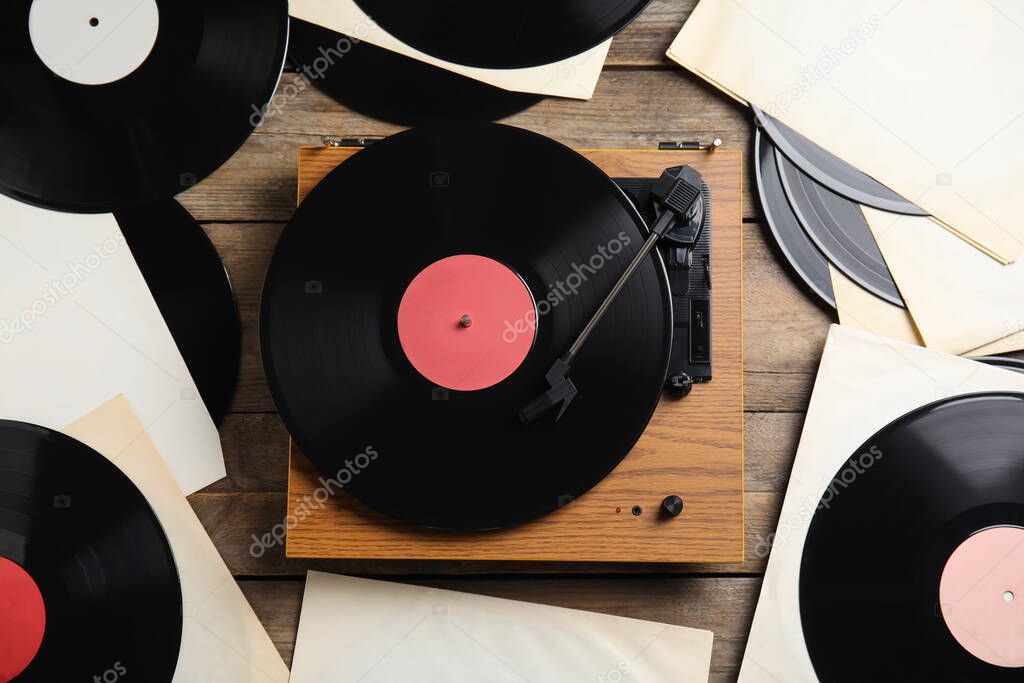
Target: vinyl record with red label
x=418, y=298
x=88, y=584
x=913, y=568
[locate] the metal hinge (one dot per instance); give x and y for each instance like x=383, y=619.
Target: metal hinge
x=691, y=146
x=338, y=141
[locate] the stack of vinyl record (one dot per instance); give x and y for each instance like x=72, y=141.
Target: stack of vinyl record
x=813, y=203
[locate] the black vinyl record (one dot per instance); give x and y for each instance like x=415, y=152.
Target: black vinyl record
x=831, y=171
x=800, y=252
x=77, y=532
x=194, y=295
x=344, y=383
x=84, y=129
x=838, y=228
x=392, y=87
x=500, y=35
x=878, y=548
x=1004, y=362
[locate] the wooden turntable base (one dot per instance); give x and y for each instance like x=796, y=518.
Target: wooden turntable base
x=692, y=448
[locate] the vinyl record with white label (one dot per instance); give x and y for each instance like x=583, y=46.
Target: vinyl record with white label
x=112, y=103
x=913, y=566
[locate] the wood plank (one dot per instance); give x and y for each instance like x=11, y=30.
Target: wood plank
x=663, y=105
x=781, y=392
x=721, y=605
x=771, y=291
x=258, y=183
x=246, y=250
x=645, y=42
x=771, y=440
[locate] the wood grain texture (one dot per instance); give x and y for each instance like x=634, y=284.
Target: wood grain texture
x=692, y=448
x=644, y=43
x=236, y=520
x=641, y=99
x=632, y=109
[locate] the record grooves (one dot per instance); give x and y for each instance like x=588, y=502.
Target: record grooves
x=839, y=229
x=75, y=528
x=800, y=252
x=391, y=87
x=831, y=171
x=498, y=35
x=166, y=101
x=330, y=328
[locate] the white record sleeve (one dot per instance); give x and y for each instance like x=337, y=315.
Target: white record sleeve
x=378, y=632
x=78, y=326
x=864, y=383
x=222, y=638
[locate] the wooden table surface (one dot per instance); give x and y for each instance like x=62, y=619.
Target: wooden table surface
x=642, y=99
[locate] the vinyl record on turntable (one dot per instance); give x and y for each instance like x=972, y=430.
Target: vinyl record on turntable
x=117, y=103
x=191, y=288
x=391, y=87
x=88, y=582
x=402, y=338
x=503, y=35
x=915, y=555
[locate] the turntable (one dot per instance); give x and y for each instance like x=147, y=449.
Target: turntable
x=425, y=299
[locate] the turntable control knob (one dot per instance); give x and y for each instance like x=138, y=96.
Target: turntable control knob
x=672, y=506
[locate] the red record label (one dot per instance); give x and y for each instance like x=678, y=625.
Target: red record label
x=467, y=322
x=22, y=619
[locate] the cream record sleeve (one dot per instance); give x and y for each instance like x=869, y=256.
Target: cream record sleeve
x=375, y=631
x=923, y=95
x=864, y=383
x=222, y=638
x=961, y=300
x=78, y=326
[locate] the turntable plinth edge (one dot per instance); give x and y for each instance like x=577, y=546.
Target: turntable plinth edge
x=692, y=448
